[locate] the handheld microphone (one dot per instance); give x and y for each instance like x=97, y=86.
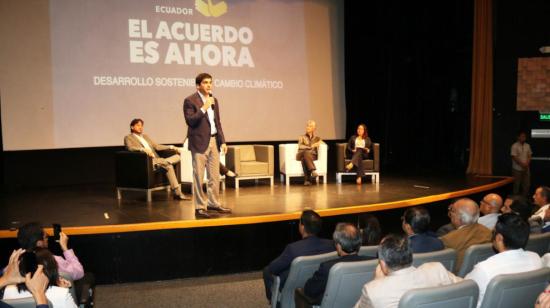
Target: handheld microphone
x=210, y=95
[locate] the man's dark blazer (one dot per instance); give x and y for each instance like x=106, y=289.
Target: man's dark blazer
x=198, y=131
x=309, y=246
x=425, y=242
x=316, y=285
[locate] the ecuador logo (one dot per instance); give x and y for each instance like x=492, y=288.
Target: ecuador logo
x=206, y=8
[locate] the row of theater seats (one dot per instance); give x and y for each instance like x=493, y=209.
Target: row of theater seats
x=346, y=279
x=134, y=170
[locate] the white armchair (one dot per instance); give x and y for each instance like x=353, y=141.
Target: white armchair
x=187, y=166
x=290, y=167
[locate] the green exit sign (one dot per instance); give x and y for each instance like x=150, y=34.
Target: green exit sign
x=544, y=117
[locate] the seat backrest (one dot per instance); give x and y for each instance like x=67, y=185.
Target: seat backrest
x=463, y=294
x=447, y=257
x=369, y=251
x=516, y=290
x=247, y=153
x=72, y=289
x=301, y=269
x=538, y=243
x=345, y=282
x=25, y=302
x=473, y=255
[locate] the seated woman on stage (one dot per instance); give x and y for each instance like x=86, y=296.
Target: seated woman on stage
x=358, y=149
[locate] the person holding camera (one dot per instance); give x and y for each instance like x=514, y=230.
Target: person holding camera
x=36, y=282
x=31, y=236
x=56, y=289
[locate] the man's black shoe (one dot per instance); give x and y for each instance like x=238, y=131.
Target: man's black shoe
x=219, y=209
x=200, y=213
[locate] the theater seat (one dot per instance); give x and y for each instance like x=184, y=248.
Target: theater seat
x=516, y=290
x=301, y=269
x=345, y=282
x=447, y=257
x=463, y=294
x=538, y=243
x=473, y=255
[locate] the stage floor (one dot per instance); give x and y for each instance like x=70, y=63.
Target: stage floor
x=95, y=209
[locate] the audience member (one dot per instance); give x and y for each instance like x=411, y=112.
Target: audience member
x=415, y=223
x=522, y=207
x=490, y=208
x=347, y=240
x=443, y=230
x=309, y=226
x=510, y=236
x=369, y=227
x=464, y=214
x=395, y=274
x=541, y=198
x=31, y=236
x=36, y=284
x=58, y=288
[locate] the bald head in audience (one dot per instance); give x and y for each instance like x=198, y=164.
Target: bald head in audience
x=490, y=204
x=465, y=212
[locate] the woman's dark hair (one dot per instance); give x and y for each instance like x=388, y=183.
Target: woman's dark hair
x=365, y=130
x=370, y=229
x=44, y=257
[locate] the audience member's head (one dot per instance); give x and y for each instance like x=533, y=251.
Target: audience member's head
x=518, y=205
x=511, y=232
x=32, y=235
x=310, y=223
x=416, y=220
x=40, y=256
x=490, y=204
x=347, y=239
x=463, y=212
x=394, y=253
x=542, y=196
x=370, y=229
x=136, y=126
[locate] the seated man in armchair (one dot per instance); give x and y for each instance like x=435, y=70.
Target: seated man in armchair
x=137, y=141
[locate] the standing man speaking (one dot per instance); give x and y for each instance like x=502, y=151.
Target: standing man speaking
x=205, y=135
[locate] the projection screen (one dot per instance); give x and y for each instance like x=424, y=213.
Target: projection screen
x=75, y=72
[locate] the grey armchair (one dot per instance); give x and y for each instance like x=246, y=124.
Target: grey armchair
x=250, y=162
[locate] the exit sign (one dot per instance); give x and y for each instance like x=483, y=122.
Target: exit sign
x=544, y=117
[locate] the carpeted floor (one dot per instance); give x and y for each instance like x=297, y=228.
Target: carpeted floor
x=237, y=290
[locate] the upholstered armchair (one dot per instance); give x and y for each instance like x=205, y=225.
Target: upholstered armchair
x=290, y=167
x=371, y=165
x=251, y=162
x=134, y=171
